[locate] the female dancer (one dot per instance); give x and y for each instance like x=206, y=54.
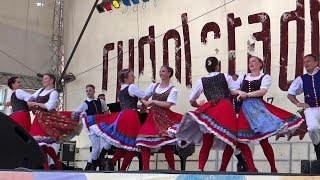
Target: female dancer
x=19, y=104
x=121, y=129
x=50, y=126
x=153, y=133
x=214, y=122
x=258, y=120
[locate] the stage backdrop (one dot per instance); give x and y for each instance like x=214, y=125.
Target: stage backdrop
x=183, y=34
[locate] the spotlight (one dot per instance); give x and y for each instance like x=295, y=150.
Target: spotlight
x=115, y=4
x=100, y=7
x=105, y=4
x=126, y=2
x=135, y=1
x=69, y=78
x=40, y=3
x=39, y=75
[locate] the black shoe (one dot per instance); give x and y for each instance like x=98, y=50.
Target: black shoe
x=88, y=166
x=52, y=167
x=95, y=164
x=102, y=164
x=317, y=150
x=109, y=165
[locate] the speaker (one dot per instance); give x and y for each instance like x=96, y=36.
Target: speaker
x=310, y=167
x=17, y=146
x=305, y=167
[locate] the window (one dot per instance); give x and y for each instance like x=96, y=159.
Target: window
x=3, y=96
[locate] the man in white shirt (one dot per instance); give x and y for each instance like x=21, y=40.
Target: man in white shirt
x=309, y=84
x=94, y=106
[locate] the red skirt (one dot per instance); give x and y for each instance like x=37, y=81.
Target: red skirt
x=23, y=118
x=119, y=129
x=300, y=131
x=154, y=131
x=216, y=118
x=54, y=127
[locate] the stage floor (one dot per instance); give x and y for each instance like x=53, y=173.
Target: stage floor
x=152, y=175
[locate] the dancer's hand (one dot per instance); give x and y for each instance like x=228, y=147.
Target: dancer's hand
x=149, y=103
x=143, y=109
x=303, y=105
x=239, y=98
x=243, y=95
x=31, y=104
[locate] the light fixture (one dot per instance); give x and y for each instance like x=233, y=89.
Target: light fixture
x=40, y=3
x=100, y=7
x=69, y=78
x=105, y=4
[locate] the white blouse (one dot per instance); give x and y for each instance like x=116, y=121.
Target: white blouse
x=265, y=83
x=172, y=96
x=52, y=103
x=134, y=91
x=22, y=95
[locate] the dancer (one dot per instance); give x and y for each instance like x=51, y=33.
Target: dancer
x=94, y=106
x=309, y=84
x=50, y=126
x=19, y=104
x=153, y=133
x=258, y=120
x=242, y=165
x=121, y=129
x=213, y=123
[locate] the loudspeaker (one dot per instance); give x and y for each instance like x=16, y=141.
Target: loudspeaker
x=310, y=167
x=17, y=146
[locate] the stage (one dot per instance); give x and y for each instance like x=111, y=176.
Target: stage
x=152, y=175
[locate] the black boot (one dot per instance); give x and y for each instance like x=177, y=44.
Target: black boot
x=88, y=166
x=317, y=150
x=242, y=165
x=110, y=164
x=95, y=164
x=102, y=160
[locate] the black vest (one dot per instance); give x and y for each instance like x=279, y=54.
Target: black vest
x=17, y=104
x=215, y=87
x=94, y=107
x=249, y=86
x=127, y=101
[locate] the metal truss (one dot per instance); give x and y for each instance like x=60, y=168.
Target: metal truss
x=57, y=57
x=29, y=82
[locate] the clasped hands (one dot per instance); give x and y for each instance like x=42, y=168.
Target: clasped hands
x=242, y=96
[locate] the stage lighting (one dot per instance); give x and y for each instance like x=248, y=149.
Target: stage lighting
x=107, y=6
x=100, y=7
x=126, y=2
x=135, y=1
x=115, y=4
x=39, y=3
x=69, y=78
x=39, y=75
